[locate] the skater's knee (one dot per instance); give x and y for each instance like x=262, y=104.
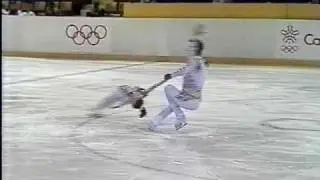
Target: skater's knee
x=168, y=91
x=169, y=88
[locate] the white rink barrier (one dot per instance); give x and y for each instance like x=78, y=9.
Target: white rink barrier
x=226, y=38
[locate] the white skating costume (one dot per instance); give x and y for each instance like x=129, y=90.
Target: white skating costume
x=123, y=95
x=191, y=94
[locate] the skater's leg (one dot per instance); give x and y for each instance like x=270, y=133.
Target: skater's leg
x=160, y=117
x=180, y=116
x=179, y=100
x=106, y=102
x=171, y=93
x=111, y=101
x=182, y=99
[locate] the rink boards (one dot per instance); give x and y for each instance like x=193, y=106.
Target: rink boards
x=230, y=41
x=223, y=10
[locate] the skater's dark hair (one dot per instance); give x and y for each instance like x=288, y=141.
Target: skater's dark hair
x=138, y=104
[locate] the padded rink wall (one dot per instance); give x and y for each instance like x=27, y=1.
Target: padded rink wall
x=223, y=10
x=234, y=37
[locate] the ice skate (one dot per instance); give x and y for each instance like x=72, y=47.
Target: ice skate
x=155, y=123
x=95, y=115
x=180, y=125
x=152, y=126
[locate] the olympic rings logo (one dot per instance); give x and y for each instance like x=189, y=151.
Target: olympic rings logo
x=289, y=39
x=86, y=33
x=289, y=48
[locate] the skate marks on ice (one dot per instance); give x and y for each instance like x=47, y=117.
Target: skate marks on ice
x=292, y=124
x=251, y=149
x=233, y=145
x=167, y=171
x=82, y=133
x=77, y=73
x=130, y=131
x=125, y=125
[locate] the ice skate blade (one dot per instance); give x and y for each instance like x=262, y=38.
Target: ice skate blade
x=180, y=125
x=152, y=127
x=95, y=115
x=115, y=107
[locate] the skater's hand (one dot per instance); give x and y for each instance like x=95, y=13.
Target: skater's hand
x=138, y=104
x=167, y=76
x=143, y=112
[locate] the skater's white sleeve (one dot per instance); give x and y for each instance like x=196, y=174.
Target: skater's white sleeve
x=194, y=64
x=182, y=71
x=124, y=102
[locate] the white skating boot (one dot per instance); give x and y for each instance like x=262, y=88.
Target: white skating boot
x=152, y=126
x=155, y=122
x=95, y=113
x=180, y=125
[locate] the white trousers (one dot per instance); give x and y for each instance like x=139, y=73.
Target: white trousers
x=116, y=99
x=177, y=100
x=123, y=95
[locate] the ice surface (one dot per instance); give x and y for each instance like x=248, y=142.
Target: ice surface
x=46, y=135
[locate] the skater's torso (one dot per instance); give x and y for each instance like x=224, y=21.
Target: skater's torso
x=193, y=77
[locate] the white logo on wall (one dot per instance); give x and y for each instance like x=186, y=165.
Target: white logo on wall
x=289, y=39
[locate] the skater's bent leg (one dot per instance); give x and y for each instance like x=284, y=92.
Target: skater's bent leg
x=166, y=111
x=105, y=103
x=191, y=104
x=161, y=116
x=178, y=112
x=110, y=101
x=180, y=117
x=171, y=92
